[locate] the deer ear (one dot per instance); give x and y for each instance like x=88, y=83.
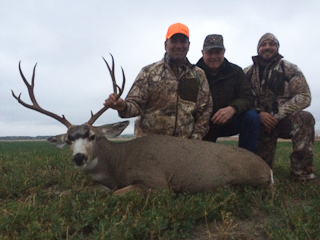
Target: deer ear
x=114, y=129
x=58, y=141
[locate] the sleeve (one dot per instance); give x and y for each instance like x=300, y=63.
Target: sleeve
x=137, y=97
x=204, y=108
x=298, y=91
x=252, y=80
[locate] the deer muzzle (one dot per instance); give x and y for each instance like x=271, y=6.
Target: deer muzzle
x=80, y=159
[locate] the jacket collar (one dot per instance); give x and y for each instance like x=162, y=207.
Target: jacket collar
x=224, y=68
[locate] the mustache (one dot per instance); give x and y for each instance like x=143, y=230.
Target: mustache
x=269, y=50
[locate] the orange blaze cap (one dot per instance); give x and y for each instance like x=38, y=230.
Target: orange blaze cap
x=177, y=28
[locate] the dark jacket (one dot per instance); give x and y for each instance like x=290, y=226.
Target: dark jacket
x=229, y=87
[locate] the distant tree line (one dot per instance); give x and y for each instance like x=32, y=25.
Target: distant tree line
x=42, y=138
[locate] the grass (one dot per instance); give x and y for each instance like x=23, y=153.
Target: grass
x=43, y=197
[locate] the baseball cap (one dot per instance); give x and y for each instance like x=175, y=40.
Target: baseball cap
x=213, y=41
x=177, y=28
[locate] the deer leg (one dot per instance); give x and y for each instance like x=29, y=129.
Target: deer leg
x=130, y=188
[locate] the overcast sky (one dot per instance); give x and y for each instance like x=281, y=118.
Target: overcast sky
x=67, y=40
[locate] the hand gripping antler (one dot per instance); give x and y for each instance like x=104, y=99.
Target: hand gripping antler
x=35, y=106
x=94, y=117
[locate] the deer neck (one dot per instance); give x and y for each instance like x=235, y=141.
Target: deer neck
x=104, y=165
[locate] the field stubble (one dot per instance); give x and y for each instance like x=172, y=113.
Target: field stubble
x=43, y=197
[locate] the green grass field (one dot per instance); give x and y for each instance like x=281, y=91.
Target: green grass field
x=43, y=197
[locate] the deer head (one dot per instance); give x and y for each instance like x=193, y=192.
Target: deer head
x=80, y=138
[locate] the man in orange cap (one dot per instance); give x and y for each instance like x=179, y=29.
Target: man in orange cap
x=177, y=43
x=169, y=97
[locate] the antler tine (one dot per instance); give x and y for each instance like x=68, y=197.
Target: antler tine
x=122, y=87
x=112, y=74
x=94, y=117
x=35, y=106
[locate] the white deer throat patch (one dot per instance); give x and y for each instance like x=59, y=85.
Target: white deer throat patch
x=91, y=165
x=98, y=176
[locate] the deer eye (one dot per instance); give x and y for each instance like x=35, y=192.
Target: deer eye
x=92, y=138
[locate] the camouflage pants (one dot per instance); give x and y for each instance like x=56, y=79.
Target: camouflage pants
x=299, y=127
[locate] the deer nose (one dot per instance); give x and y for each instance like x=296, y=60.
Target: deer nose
x=79, y=159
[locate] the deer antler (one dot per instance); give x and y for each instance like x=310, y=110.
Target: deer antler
x=94, y=117
x=35, y=106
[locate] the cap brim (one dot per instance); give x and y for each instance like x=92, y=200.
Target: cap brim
x=211, y=47
x=177, y=33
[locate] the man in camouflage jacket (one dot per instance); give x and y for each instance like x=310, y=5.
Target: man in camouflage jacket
x=280, y=95
x=169, y=97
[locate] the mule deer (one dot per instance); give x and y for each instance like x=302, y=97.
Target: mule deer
x=154, y=161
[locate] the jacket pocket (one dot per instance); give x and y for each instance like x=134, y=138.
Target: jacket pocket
x=188, y=89
x=277, y=83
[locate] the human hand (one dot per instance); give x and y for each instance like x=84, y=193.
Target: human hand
x=223, y=115
x=117, y=104
x=268, y=121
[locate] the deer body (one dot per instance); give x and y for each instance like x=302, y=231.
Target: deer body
x=176, y=164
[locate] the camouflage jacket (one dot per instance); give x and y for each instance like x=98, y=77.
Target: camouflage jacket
x=282, y=90
x=170, y=101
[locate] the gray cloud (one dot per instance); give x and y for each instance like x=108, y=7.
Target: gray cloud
x=68, y=39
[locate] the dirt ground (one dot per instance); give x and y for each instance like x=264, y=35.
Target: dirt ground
x=251, y=229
